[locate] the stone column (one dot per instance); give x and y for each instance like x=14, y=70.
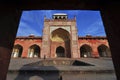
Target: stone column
x=9, y=20
x=16, y=53
x=25, y=51
x=95, y=51
x=45, y=50
x=111, y=19
x=74, y=41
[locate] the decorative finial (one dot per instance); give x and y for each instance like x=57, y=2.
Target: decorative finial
x=44, y=17
x=75, y=17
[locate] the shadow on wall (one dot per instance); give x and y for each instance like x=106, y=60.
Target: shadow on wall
x=33, y=72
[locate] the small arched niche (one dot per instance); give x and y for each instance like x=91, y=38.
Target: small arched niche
x=104, y=51
x=34, y=51
x=17, y=51
x=86, y=51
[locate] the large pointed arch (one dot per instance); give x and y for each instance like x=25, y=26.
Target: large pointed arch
x=17, y=51
x=34, y=51
x=53, y=28
x=60, y=35
x=104, y=51
x=86, y=51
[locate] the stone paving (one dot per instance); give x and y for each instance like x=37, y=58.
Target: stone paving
x=100, y=64
x=55, y=76
x=103, y=69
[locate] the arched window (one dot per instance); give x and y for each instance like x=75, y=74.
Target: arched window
x=60, y=52
x=86, y=51
x=34, y=51
x=104, y=51
x=17, y=51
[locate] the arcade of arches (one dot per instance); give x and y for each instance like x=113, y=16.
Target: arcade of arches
x=89, y=47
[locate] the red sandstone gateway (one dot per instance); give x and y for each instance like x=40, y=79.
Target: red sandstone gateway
x=60, y=40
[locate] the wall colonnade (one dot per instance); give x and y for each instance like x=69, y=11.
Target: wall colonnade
x=85, y=50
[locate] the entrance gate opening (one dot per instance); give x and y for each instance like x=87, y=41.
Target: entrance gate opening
x=60, y=52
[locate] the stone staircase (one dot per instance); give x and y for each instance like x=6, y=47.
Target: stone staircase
x=59, y=62
x=69, y=69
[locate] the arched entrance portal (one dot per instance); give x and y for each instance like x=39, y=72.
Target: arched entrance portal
x=34, y=51
x=86, y=51
x=61, y=37
x=60, y=52
x=17, y=51
x=104, y=51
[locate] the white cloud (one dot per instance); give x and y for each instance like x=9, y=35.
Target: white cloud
x=25, y=30
x=32, y=22
x=95, y=28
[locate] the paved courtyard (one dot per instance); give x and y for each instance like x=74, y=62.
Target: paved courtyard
x=103, y=69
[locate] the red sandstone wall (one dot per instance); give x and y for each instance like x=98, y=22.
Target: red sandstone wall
x=26, y=43
x=94, y=44
x=54, y=45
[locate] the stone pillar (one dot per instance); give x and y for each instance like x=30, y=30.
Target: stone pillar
x=45, y=50
x=25, y=51
x=95, y=51
x=9, y=20
x=16, y=53
x=74, y=41
x=31, y=53
x=111, y=19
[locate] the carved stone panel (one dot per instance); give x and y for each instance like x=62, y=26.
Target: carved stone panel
x=52, y=28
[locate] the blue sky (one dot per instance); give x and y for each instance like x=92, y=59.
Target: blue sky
x=88, y=22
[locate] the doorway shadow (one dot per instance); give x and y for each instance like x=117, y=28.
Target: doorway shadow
x=35, y=71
